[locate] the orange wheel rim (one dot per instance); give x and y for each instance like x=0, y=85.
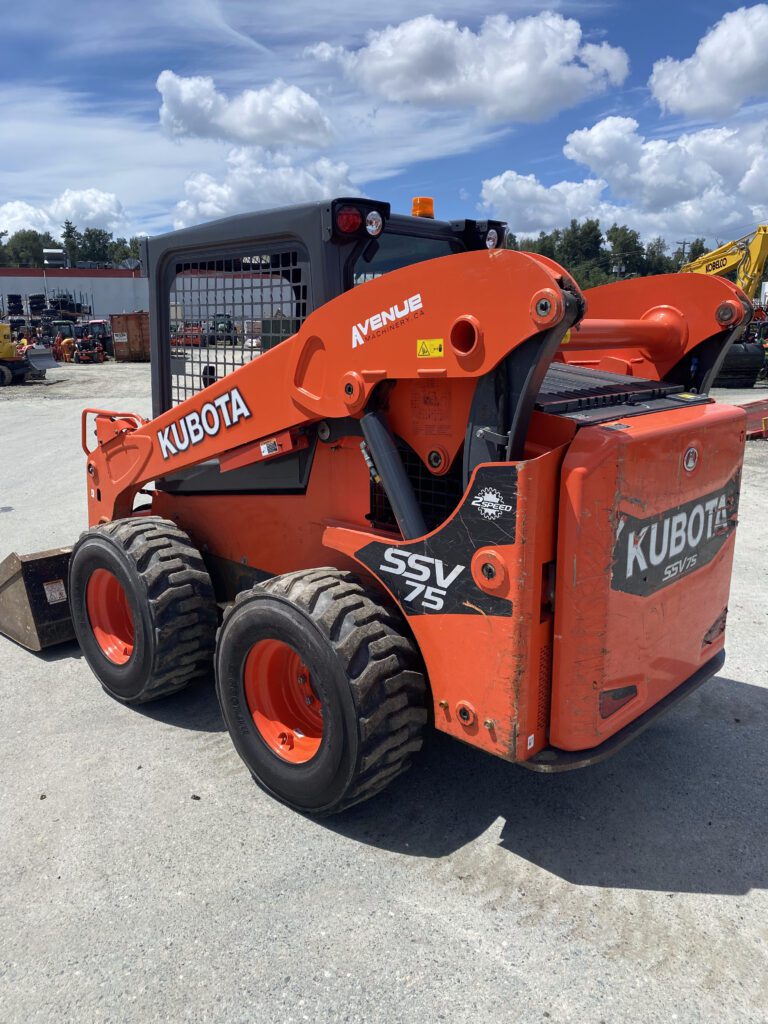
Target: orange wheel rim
x=110, y=616
x=283, y=705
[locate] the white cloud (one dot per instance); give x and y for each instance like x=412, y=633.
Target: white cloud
x=524, y=70
x=729, y=66
x=87, y=208
x=255, y=180
x=710, y=182
x=90, y=208
x=18, y=215
x=531, y=207
x=278, y=114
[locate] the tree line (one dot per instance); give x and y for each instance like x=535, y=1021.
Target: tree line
x=595, y=258
x=24, y=248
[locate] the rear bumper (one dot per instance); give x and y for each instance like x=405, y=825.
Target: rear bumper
x=551, y=759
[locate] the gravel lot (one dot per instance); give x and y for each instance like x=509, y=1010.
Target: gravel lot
x=144, y=877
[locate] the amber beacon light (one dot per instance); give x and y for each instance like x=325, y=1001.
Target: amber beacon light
x=423, y=206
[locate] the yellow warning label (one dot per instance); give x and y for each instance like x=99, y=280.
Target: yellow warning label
x=430, y=348
x=566, y=337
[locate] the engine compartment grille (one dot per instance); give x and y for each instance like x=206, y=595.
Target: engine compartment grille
x=436, y=496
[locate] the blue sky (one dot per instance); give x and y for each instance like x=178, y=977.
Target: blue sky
x=149, y=115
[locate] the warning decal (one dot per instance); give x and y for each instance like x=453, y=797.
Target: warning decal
x=430, y=348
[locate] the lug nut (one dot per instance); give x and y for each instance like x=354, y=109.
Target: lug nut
x=309, y=700
x=435, y=459
x=301, y=680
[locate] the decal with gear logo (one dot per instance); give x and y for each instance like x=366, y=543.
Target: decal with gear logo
x=490, y=503
x=432, y=576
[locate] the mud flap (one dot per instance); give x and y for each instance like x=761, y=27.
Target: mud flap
x=34, y=609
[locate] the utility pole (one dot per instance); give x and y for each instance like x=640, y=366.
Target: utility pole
x=683, y=246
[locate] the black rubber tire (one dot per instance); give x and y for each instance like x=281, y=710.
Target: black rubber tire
x=6, y=377
x=741, y=366
x=364, y=668
x=171, y=599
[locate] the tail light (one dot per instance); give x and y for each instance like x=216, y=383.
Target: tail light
x=349, y=220
x=355, y=220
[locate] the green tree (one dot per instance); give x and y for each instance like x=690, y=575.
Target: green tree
x=124, y=249
x=581, y=244
x=656, y=259
x=3, y=250
x=698, y=248
x=25, y=248
x=71, y=240
x=95, y=245
x=546, y=244
x=627, y=256
x=692, y=252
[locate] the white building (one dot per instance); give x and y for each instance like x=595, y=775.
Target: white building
x=105, y=291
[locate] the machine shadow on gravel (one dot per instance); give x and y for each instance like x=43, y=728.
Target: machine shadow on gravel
x=195, y=708
x=681, y=811
x=62, y=652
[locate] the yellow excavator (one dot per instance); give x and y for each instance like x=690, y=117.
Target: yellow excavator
x=747, y=256
x=746, y=259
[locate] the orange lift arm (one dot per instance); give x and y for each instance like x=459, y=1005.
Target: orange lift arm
x=458, y=316
x=631, y=327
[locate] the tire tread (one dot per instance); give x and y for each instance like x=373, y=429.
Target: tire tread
x=180, y=595
x=382, y=663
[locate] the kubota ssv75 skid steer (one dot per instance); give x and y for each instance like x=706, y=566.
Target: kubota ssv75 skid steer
x=427, y=482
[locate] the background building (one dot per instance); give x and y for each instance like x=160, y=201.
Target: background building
x=105, y=291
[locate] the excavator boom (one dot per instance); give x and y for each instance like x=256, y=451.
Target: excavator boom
x=746, y=256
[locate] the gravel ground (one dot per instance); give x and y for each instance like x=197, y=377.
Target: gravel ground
x=144, y=877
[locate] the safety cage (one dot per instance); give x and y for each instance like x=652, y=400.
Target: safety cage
x=223, y=293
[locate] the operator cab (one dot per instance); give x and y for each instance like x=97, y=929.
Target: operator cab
x=224, y=293
x=260, y=275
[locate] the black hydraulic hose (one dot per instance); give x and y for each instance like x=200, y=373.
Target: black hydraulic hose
x=394, y=479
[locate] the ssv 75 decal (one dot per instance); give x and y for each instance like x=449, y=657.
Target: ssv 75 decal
x=651, y=553
x=432, y=576
x=428, y=578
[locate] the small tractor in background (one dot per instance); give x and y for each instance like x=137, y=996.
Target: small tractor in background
x=15, y=368
x=444, y=487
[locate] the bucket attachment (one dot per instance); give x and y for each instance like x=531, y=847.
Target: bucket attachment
x=41, y=358
x=34, y=610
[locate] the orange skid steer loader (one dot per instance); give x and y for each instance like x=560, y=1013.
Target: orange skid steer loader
x=428, y=482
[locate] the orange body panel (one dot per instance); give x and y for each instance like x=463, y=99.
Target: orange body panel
x=493, y=662
x=632, y=609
